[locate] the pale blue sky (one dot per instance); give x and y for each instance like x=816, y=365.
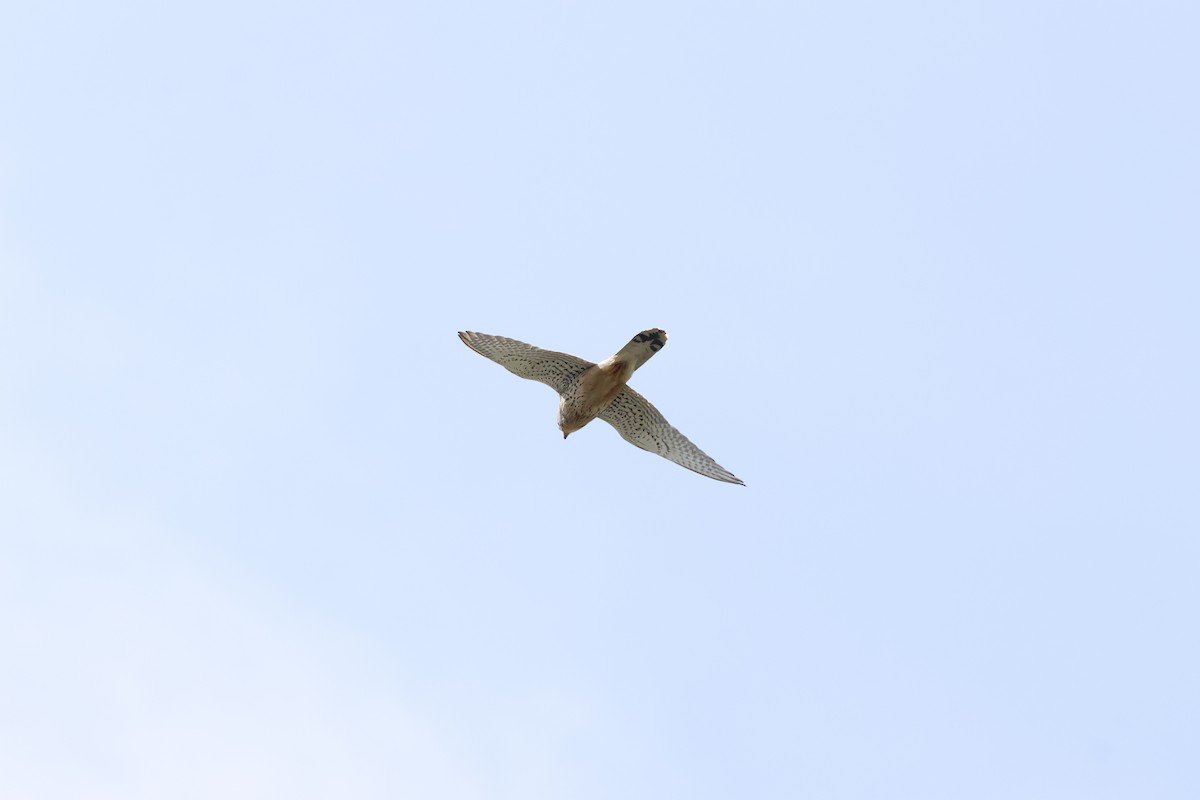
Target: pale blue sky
x=930, y=276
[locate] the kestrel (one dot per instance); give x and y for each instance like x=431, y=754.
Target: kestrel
x=587, y=391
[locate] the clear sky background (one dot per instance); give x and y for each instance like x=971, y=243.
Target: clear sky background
x=268, y=529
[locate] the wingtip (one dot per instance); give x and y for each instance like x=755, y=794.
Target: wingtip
x=469, y=339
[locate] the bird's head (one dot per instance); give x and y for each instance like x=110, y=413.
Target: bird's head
x=568, y=424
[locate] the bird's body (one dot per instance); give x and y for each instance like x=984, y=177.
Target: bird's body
x=594, y=389
x=588, y=391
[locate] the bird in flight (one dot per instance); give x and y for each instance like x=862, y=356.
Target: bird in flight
x=588, y=391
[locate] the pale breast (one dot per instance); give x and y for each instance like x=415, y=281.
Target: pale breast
x=591, y=393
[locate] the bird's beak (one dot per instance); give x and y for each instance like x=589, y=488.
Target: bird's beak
x=565, y=434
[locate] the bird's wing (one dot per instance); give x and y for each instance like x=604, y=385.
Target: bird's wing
x=545, y=366
x=641, y=424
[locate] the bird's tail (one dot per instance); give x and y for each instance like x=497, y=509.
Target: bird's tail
x=642, y=347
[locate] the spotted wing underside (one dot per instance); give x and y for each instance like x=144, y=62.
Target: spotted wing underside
x=556, y=370
x=641, y=424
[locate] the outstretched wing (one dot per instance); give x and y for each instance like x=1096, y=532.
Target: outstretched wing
x=641, y=424
x=545, y=366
